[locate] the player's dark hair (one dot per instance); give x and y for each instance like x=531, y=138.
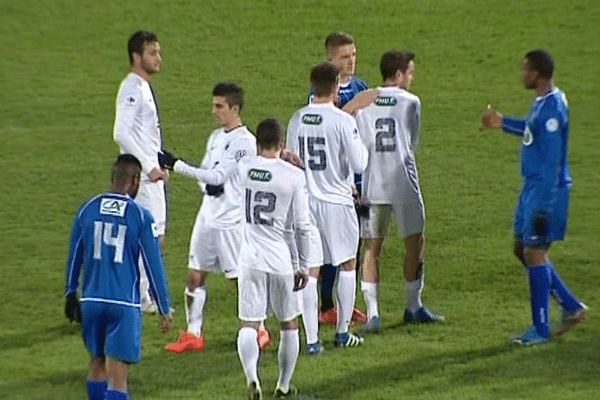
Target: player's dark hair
x=393, y=61
x=337, y=39
x=269, y=134
x=541, y=61
x=323, y=78
x=125, y=167
x=233, y=93
x=137, y=41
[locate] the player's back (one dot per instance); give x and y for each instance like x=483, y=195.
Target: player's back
x=274, y=191
x=327, y=140
x=109, y=227
x=390, y=129
x=546, y=138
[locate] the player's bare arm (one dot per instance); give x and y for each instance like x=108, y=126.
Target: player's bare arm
x=361, y=100
x=491, y=118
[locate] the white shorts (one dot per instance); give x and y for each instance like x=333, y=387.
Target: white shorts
x=410, y=219
x=338, y=228
x=215, y=250
x=261, y=292
x=152, y=196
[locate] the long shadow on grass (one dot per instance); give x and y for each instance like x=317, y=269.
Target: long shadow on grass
x=553, y=363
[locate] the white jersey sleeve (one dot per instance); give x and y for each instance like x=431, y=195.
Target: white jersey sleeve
x=137, y=129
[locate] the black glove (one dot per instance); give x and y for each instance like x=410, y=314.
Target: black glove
x=73, y=308
x=214, y=190
x=540, y=224
x=166, y=159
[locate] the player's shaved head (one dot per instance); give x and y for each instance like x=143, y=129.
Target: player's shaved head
x=232, y=92
x=269, y=134
x=541, y=61
x=137, y=41
x=126, y=174
x=324, y=78
x=393, y=61
x=335, y=40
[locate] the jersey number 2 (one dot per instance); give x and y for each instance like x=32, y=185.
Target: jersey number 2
x=266, y=204
x=103, y=235
x=385, y=138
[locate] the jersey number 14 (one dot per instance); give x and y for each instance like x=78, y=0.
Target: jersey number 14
x=103, y=235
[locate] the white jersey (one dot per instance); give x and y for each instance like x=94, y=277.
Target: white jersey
x=390, y=129
x=137, y=127
x=224, y=150
x=327, y=140
x=275, y=192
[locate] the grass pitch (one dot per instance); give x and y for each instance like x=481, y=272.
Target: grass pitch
x=60, y=69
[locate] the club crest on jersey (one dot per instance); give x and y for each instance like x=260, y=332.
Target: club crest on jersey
x=386, y=101
x=259, y=175
x=552, y=125
x=113, y=207
x=527, y=137
x=312, y=119
x=130, y=100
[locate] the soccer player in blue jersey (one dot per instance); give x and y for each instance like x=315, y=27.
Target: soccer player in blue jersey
x=341, y=51
x=110, y=234
x=541, y=210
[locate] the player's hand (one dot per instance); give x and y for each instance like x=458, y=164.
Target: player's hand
x=165, y=323
x=292, y=158
x=73, y=308
x=156, y=174
x=166, y=175
x=166, y=159
x=300, y=281
x=361, y=100
x=491, y=118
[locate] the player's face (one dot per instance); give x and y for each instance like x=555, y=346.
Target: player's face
x=408, y=76
x=223, y=112
x=345, y=59
x=528, y=74
x=151, y=60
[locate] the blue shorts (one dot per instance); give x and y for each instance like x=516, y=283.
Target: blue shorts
x=111, y=330
x=538, y=228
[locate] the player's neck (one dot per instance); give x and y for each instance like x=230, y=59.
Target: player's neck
x=323, y=99
x=270, y=153
x=139, y=71
x=345, y=79
x=233, y=124
x=544, y=87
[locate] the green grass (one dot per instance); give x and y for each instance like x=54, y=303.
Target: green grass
x=60, y=68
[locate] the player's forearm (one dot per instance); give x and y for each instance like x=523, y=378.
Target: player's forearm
x=303, y=243
x=128, y=145
x=513, y=125
x=215, y=176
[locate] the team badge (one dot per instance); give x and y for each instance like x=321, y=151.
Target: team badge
x=312, y=119
x=113, y=207
x=385, y=101
x=130, y=101
x=259, y=175
x=239, y=154
x=552, y=125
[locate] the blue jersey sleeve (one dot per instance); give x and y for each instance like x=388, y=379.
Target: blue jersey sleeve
x=513, y=125
x=153, y=264
x=75, y=257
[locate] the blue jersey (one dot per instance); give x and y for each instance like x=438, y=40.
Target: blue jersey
x=346, y=92
x=110, y=234
x=545, y=133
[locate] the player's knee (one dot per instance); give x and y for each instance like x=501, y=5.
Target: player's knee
x=289, y=325
x=195, y=279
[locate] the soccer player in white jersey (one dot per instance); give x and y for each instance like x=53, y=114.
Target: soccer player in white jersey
x=274, y=192
x=327, y=140
x=137, y=131
x=390, y=129
x=217, y=232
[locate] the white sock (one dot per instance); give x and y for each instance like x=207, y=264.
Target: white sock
x=310, y=310
x=289, y=345
x=413, y=294
x=194, y=309
x=346, y=288
x=369, y=290
x=249, y=351
x=145, y=297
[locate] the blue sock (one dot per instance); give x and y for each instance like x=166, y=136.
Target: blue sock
x=559, y=291
x=113, y=394
x=96, y=389
x=328, y=273
x=539, y=291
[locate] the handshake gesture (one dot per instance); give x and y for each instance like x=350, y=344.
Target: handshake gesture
x=166, y=160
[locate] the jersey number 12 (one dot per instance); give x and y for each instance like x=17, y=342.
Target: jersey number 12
x=264, y=203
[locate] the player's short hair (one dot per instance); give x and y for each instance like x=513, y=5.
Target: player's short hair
x=395, y=60
x=269, y=134
x=125, y=167
x=233, y=93
x=541, y=61
x=137, y=41
x=337, y=39
x=323, y=78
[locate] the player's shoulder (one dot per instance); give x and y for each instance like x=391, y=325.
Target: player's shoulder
x=132, y=83
x=358, y=83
